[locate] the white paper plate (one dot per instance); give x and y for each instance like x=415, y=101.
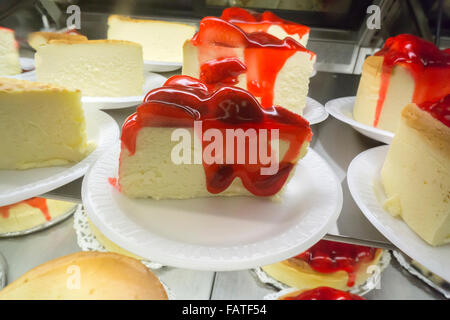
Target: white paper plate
x=18, y=185
x=3, y=268
x=364, y=182
x=161, y=66
x=217, y=233
x=314, y=111
x=342, y=109
x=152, y=81
x=28, y=73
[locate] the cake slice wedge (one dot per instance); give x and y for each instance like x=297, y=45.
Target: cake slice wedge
x=407, y=69
x=9, y=53
x=42, y=125
x=275, y=71
x=416, y=172
x=161, y=40
x=188, y=140
x=251, y=21
x=99, y=68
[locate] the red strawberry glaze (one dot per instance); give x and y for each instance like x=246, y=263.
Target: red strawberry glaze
x=429, y=67
x=183, y=100
x=329, y=257
x=264, y=56
x=325, y=293
x=39, y=203
x=251, y=21
x=439, y=110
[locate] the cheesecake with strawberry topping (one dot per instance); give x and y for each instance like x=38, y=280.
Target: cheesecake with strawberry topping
x=407, y=69
x=190, y=140
x=337, y=265
x=321, y=293
x=275, y=71
x=251, y=21
x=9, y=53
x=416, y=172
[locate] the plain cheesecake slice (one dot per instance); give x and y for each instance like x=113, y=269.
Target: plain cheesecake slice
x=250, y=21
x=87, y=276
x=9, y=53
x=407, y=69
x=42, y=125
x=337, y=265
x=275, y=71
x=31, y=213
x=99, y=68
x=416, y=172
x=161, y=40
x=37, y=39
x=166, y=155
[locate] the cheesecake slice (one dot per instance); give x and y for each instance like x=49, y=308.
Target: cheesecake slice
x=31, y=213
x=321, y=293
x=161, y=40
x=275, y=71
x=337, y=265
x=37, y=39
x=416, y=172
x=87, y=276
x=251, y=21
x=100, y=68
x=188, y=140
x=42, y=125
x=407, y=69
x=9, y=53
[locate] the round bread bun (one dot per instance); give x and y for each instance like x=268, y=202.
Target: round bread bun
x=87, y=275
x=298, y=274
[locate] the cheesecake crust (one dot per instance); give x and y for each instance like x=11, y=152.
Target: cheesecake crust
x=47, y=36
x=16, y=85
x=434, y=131
x=102, y=41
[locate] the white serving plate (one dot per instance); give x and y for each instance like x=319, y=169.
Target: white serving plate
x=28, y=73
x=216, y=233
x=3, y=269
x=152, y=81
x=342, y=109
x=161, y=66
x=18, y=185
x=364, y=182
x=314, y=111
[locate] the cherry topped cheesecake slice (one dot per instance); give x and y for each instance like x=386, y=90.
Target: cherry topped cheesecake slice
x=275, y=71
x=407, y=69
x=268, y=22
x=321, y=293
x=333, y=264
x=190, y=140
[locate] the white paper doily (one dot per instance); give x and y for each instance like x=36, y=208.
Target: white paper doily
x=87, y=242
x=370, y=284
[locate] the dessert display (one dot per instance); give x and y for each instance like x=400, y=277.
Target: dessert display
x=37, y=39
x=268, y=22
x=160, y=40
x=321, y=293
x=337, y=265
x=30, y=213
x=407, y=69
x=42, y=125
x=9, y=53
x=275, y=71
x=99, y=68
x=416, y=172
x=87, y=275
x=146, y=167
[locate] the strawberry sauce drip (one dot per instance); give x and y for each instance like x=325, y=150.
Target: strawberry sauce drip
x=38, y=203
x=223, y=70
x=439, y=110
x=183, y=100
x=329, y=257
x=325, y=293
x=251, y=21
x=264, y=55
x=429, y=67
